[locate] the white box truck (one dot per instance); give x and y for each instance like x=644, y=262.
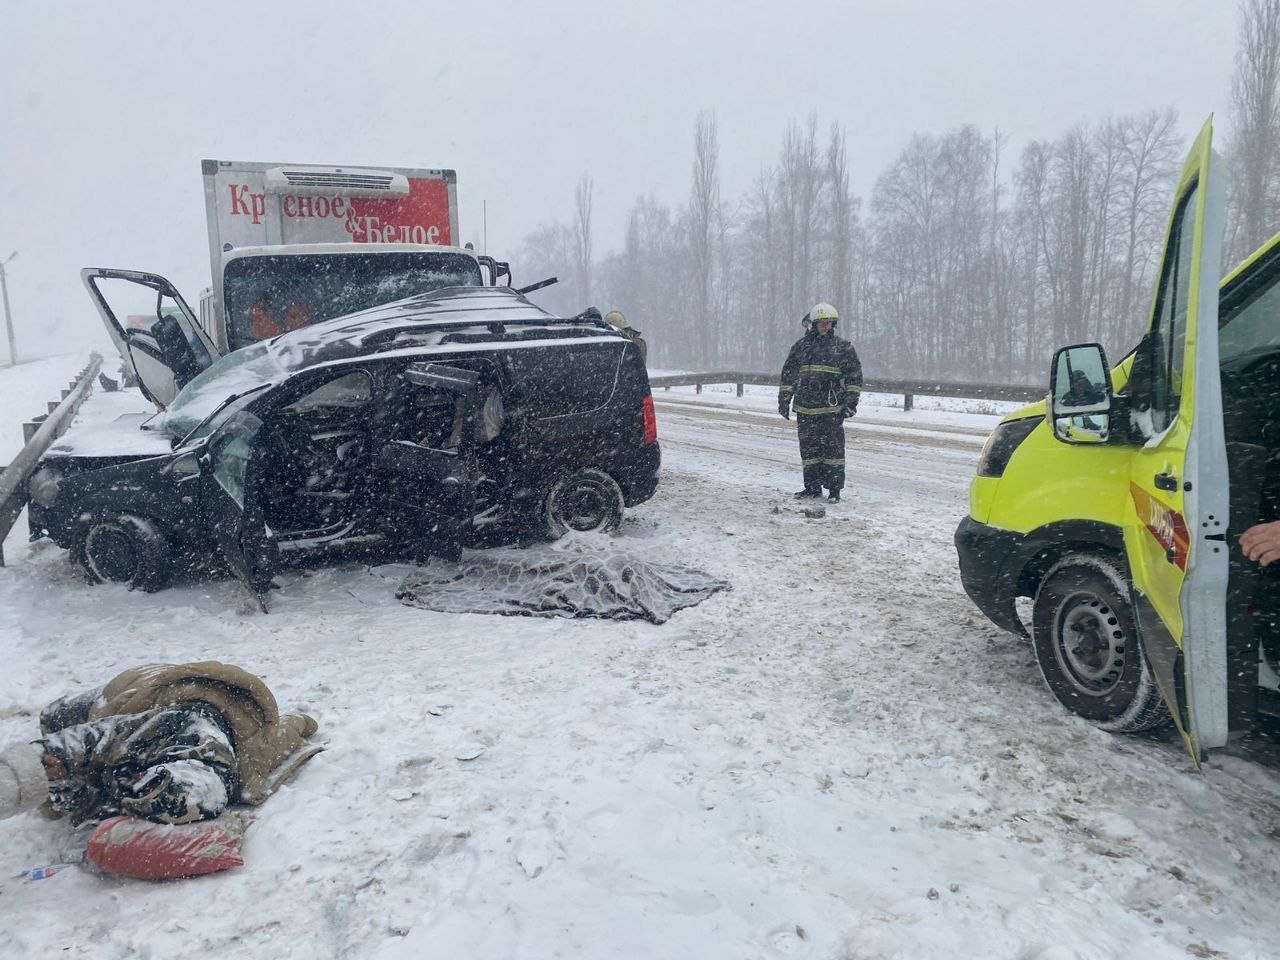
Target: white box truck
x=292, y=244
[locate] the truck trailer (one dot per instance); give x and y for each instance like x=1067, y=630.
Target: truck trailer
x=293, y=244
x=290, y=245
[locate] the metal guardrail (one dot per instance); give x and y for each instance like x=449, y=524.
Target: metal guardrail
x=910, y=389
x=38, y=435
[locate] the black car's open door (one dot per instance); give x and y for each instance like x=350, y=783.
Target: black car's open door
x=231, y=508
x=428, y=489
x=159, y=338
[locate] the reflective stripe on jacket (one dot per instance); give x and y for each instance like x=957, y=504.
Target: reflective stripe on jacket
x=820, y=374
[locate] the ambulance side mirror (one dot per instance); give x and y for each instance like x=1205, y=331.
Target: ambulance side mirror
x=1080, y=394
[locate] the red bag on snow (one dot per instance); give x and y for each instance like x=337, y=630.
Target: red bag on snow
x=160, y=851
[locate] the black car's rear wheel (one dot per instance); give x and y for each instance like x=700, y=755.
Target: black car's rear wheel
x=124, y=549
x=1086, y=642
x=586, y=500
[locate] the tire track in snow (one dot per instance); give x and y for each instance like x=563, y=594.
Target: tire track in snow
x=930, y=465
x=865, y=417
x=881, y=644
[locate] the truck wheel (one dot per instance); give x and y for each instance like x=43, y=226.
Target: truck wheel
x=586, y=500
x=124, y=549
x=1086, y=640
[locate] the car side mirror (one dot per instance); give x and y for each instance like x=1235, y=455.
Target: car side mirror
x=188, y=466
x=1080, y=400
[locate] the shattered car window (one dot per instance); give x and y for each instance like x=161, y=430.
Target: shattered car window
x=231, y=449
x=570, y=381
x=352, y=390
x=237, y=372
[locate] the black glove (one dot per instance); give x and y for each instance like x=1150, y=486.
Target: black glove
x=850, y=406
x=784, y=405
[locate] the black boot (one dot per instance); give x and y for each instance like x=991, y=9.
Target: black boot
x=833, y=496
x=807, y=494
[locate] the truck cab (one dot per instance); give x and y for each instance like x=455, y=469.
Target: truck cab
x=292, y=244
x=289, y=246
x=270, y=290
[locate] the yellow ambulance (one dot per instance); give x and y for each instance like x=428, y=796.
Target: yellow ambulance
x=1115, y=504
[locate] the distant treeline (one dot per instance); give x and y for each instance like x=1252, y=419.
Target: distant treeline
x=958, y=266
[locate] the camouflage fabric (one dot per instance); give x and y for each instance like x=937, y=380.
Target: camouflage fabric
x=269, y=745
x=171, y=765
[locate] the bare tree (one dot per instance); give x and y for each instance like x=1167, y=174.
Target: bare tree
x=647, y=283
x=957, y=270
x=840, y=214
x=759, y=285
x=799, y=182
x=996, y=330
x=549, y=252
x=582, y=234
x=1151, y=147
x=1255, y=149
x=933, y=206
x=704, y=212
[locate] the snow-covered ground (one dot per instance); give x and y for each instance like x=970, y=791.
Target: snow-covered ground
x=840, y=758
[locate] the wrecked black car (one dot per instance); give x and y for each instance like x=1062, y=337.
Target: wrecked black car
x=397, y=432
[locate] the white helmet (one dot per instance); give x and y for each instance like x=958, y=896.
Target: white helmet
x=823, y=311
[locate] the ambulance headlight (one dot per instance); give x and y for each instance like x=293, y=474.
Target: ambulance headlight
x=1000, y=446
x=43, y=486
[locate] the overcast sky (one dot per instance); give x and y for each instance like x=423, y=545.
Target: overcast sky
x=107, y=109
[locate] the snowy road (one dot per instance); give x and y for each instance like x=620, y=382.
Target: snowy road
x=838, y=759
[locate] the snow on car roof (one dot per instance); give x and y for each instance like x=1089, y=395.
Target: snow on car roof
x=436, y=312
x=413, y=325
x=452, y=305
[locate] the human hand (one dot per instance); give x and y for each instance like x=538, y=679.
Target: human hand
x=1261, y=542
x=850, y=407
x=784, y=406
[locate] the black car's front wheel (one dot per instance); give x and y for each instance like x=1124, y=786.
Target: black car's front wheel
x=585, y=500
x=124, y=549
x=1086, y=642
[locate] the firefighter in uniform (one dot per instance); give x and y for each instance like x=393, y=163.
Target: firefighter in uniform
x=822, y=382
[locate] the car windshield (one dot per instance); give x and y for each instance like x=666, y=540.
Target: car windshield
x=236, y=373
x=270, y=295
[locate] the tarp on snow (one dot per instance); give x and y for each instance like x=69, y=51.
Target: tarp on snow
x=566, y=580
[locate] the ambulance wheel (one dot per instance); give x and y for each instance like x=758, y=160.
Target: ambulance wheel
x=1086, y=641
x=584, y=501
x=124, y=549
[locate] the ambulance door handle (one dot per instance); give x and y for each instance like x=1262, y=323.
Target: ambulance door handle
x=1166, y=481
